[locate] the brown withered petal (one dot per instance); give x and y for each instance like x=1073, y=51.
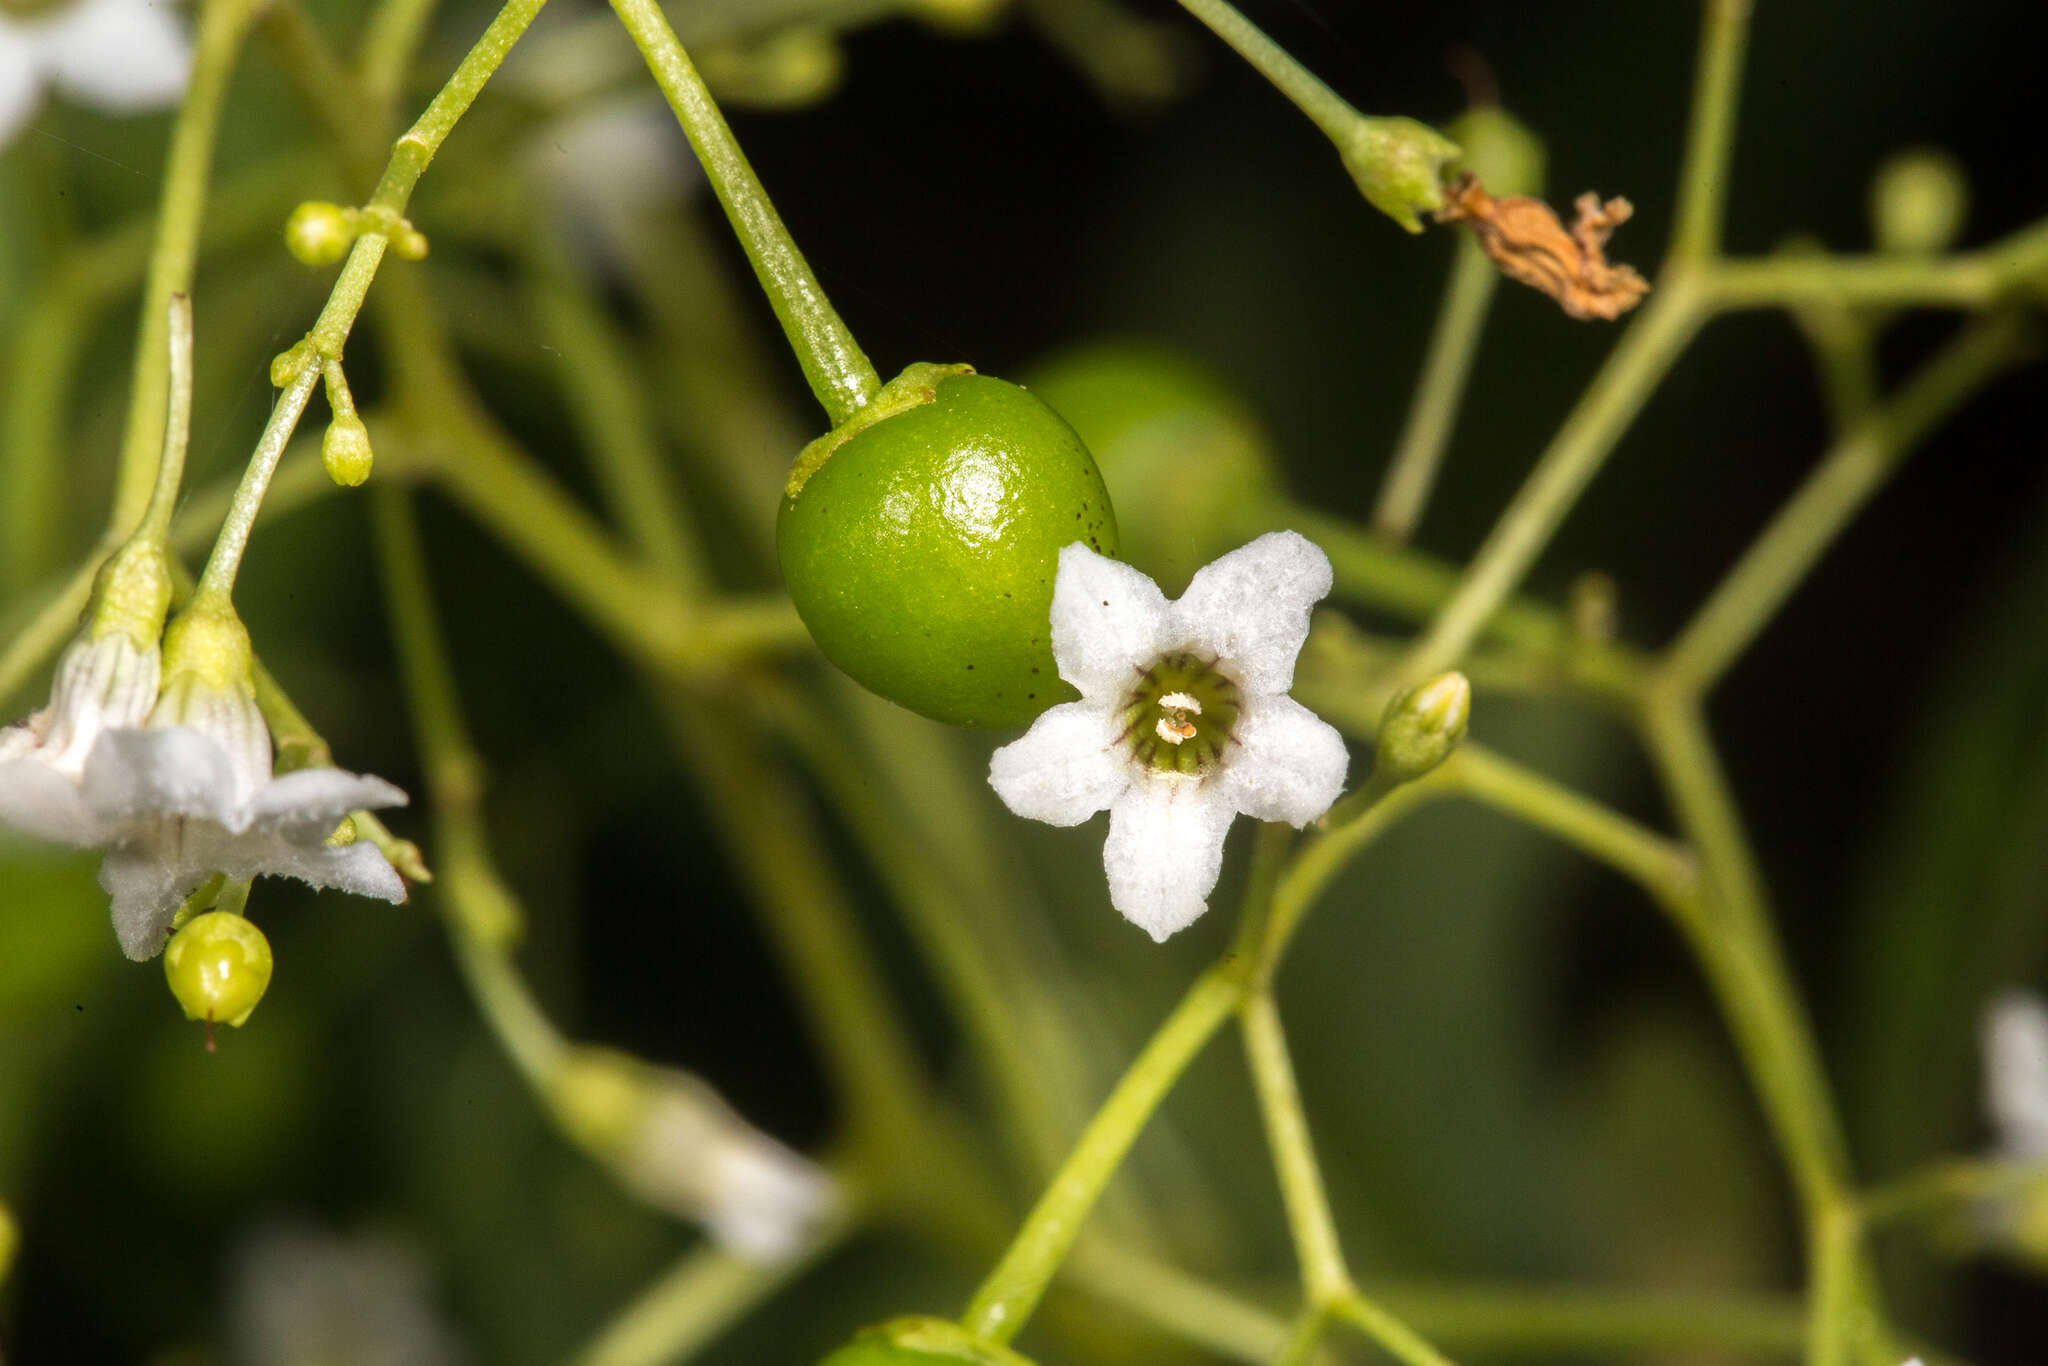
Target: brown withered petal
x=1529, y=244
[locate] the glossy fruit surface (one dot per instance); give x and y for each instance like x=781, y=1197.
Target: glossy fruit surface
x=920, y=549
x=218, y=967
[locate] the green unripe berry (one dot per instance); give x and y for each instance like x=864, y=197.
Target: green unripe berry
x=218, y=967
x=1505, y=155
x=345, y=450
x=1186, y=464
x=920, y=540
x=319, y=233
x=1917, y=202
x=920, y=1342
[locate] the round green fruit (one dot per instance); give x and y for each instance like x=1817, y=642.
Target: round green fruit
x=218, y=967
x=920, y=1342
x=920, y=540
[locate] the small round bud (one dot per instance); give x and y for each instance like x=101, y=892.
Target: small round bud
x=794, y=68
x=1505, y=155
x=1399, y=166
x=1423, y=725
x=287, y=365
x=1918, y=201
x=408, y=243
x=920, y=1342
x=345, y=451
x=319, y=233
x=218, y=967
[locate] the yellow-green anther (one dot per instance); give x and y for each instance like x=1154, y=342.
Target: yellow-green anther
x=1421, y=727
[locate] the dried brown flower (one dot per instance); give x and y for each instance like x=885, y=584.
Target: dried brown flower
x=1529, y=244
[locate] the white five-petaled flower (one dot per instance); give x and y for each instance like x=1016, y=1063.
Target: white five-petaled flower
x=2016, y=1074
x=192, y=794
x=125, y=56
x=1184, y=719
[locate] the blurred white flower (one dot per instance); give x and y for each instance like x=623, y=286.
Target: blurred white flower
x=125, y=56
x=192, y=794
x=676, y=1144
x=1184, y=719
x=104, y=684
x=2015, y=1035
x=605, y=166
x=298, y=1295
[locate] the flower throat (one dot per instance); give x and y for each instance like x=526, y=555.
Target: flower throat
x=1180, y=714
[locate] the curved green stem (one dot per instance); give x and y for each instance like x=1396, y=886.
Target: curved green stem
x=217, y=580
x=170, y=465
x=1968, y=280
x=1411, y=475
x=1006, y=1298
x=1324, y=1276
x=1325, y=108
x=837, y=369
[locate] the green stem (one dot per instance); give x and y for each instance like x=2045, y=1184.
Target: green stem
x=1947, y=1187
x=170, y=465
x=837, y=369
x=390, y=41
x=1703, y=180
x=1968, y=280
x=1325, y=108
x=1180, y=1303
x=1571, y=1319
x=222, y=26
x=1831, y=1290
x=1396, y=1336
x=1324, y=1276
x=1575, y=455
x=217, y=580
x=1427, y=433
x=1847, y=477
x=44, y=357
x=1005, y=1300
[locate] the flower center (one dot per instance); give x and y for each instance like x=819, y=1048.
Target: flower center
x=1179, y=715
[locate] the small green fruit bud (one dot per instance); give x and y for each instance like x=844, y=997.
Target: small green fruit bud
x=1423, y=725
x=1918, y=201
x=920, y=1342
x=408, y=243
x=218, y=967
x=345, y=451
x=319, y=233
x=1505, y=155
x=1399, y=166
x=286, y=366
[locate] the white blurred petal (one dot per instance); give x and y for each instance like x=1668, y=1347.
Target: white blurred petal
x=147, y=884
x=39, y=800
x=21, y=85
x=1063, y=770
x=1288, y=765
x=308, y=804
x=1165, y=852
x=1108, y=621
x=360, y=869
x=2016, y=1073
x=763, y=1202
x=124, y=56
x=134, y=775
x=1250, y=608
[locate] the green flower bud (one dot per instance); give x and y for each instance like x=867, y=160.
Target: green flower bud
x=408, y=243
x=920, y=1342
x=1422, y=725
x=345, y=450
x=1186, y=464
x=919, y=541
x=1505, y=155
x=319, y=233
x=218, y=967
x=1399, y=166
x=288, y=365
x=1918, y=201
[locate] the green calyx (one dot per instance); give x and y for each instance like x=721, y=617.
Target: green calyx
x=920, y=1342
x=1398, y=164
x=1180, y=715
x=208, y=641
x=919, y=543
x=1422, y=726
x=916, y=386
x=132, y=593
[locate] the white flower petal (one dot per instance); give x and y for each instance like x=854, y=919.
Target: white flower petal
x=101, y=685
x=231, y=719
x=306, y=806
x=1067, y=767
x=21, y=85
x=2016, y=1073
x=360, y=869
x=1288, y=764
x=763, y=1201
x=1165, y=852
x=148, y=883
x=1107, y=622
x=40, y=800
x=1250, y=608
x=132, y=775
x=122, y=55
